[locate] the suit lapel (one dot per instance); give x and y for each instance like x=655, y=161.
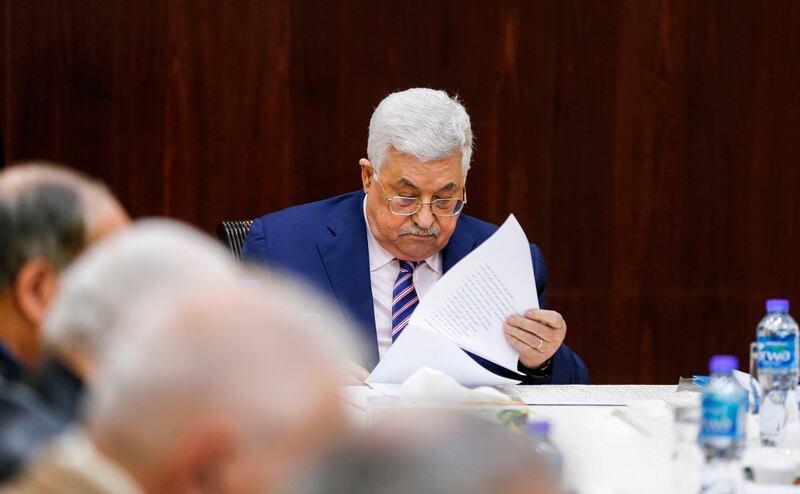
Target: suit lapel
x=461, y=243
x=346, y=258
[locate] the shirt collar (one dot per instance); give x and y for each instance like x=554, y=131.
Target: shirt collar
x=380, y=257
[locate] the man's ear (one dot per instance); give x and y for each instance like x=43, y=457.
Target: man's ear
x=34, y=288
x=366, y=173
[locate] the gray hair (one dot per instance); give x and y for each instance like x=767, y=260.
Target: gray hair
x=150, y=256
x=42, y=215
x=425, y=123
x=250, y=354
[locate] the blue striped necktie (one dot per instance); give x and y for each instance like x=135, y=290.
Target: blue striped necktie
x=404, y=298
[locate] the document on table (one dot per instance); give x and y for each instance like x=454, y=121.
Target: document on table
x=581, y=394
x=417, y=348
x=472, y=300
x=466, y=309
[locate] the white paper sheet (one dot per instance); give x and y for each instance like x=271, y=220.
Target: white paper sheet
x=581, y=394
x=469, y=304
x=356, y=404
x=356, y=396
x=432, y=386
x=386, y=389
x=751, y=488
x=417, y=348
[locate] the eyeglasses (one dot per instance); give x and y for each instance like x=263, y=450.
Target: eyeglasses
x=406, y=206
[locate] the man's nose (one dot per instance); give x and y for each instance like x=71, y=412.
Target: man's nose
x=424, y=218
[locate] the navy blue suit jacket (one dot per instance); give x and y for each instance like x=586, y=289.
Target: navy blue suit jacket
x=325, y=243
x=34, y=411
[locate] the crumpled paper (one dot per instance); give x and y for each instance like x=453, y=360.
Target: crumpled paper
x=430, y=385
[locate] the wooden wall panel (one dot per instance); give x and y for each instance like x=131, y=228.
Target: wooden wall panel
x=582, y=229
x=650, y=147
x=4, y=64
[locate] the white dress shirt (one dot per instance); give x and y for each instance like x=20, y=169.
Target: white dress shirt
x=383, y=271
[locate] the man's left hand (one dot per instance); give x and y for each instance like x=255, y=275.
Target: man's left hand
x=537, y=335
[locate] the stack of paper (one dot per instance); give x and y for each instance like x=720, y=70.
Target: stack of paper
x=466, y=309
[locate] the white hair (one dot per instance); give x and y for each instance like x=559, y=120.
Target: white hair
x=431, y=451
x=252, y=355
x=425, y=123
x=116, y=274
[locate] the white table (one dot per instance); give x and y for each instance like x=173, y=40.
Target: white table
x=624, y=448
x=618, y=448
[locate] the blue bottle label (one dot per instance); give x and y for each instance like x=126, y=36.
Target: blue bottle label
x=721, y=418
x=777, y=352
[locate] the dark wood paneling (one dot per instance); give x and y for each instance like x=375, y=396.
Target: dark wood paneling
x=651, y=148
x=5, y=35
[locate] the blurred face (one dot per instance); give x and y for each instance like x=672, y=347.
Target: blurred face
x=277, y=462
x=421, y=235
x=214, y=458
x=529, y=483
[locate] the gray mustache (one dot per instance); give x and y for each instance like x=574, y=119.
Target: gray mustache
x=415, y=230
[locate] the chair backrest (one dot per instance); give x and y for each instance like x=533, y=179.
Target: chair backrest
x=233, y=233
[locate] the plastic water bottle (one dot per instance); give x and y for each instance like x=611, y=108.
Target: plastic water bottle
x=538, y=433
x=722, y=430
x=777, y=338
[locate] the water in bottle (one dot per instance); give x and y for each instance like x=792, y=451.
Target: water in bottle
x=722, y=430
x=777, y=338
x=538, y=433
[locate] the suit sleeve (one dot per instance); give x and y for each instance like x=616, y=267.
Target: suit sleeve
x=255, y=245
x=566, y=367
x=540, y=273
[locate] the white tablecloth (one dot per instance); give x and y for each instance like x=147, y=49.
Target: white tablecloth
x=615, y=449
x=625, y=448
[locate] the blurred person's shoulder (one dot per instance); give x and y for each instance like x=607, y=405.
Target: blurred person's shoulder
x=72, y=464
x=25, y=426
x=10, y=367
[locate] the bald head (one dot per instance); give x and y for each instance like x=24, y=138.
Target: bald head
x=244, y=375
x=48, y=214
x=52, y=212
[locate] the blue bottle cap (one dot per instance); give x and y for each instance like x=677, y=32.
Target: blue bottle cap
x=539, y=428
x=777, y=305
x=721, y=364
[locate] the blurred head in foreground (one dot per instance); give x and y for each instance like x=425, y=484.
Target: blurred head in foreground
x=112, y=277
x=48, y=214
x=432, y=453
x=228, y=389
x=94, y=293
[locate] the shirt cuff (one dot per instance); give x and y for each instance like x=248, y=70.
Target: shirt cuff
x=540, y=375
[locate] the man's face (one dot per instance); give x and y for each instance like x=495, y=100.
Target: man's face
x=279, y=460
x=421, y=235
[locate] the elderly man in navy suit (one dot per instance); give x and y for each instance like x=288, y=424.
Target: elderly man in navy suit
x=379, y=250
